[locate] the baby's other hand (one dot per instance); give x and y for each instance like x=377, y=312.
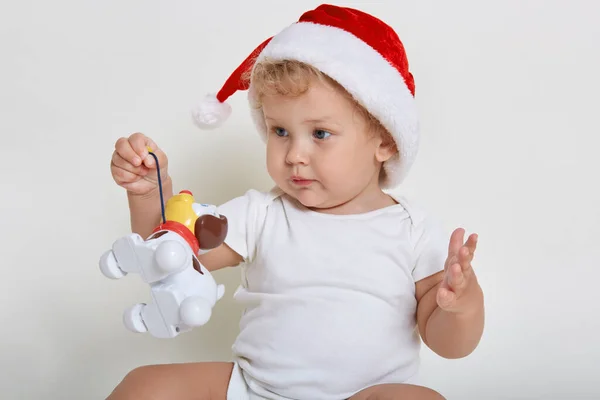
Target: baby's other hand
x=133, y=168
x=459, y=289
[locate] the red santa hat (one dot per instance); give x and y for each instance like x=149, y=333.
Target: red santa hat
x=361, y=53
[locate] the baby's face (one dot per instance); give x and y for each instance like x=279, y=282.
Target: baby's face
x=319, y=148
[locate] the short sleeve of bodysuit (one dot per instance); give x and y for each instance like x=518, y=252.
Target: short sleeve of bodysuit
x=430, y=247
x=429, y=240
x=244, y=216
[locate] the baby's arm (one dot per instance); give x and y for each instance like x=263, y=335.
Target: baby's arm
x=145, y=215
x=145, y=209
x=220, y=257
x=134, y=169
x=450, y=311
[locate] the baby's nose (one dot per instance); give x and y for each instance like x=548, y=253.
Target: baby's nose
x=297, y=154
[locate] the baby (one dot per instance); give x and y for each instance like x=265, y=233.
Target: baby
x=340, y=280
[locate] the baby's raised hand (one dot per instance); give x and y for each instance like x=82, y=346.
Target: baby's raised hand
x=458, y=290
x=133, y=168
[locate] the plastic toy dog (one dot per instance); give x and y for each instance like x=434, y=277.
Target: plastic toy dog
x=183, y=290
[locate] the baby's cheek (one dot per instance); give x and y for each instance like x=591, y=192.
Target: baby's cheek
x=341, y=168
x=273, y=167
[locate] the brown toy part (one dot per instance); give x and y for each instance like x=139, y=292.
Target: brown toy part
x=196, y=264
x=210, y=231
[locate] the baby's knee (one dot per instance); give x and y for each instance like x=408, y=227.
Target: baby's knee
x=397, y=391
x=140, y=383
x=426, y=393
x=431, y=394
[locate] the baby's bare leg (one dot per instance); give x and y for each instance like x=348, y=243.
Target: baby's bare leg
x=194, y=381
x=396, y=392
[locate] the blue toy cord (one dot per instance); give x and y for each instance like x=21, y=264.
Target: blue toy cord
x=162, y=202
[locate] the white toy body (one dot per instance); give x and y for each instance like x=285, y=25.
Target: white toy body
x=183, y=291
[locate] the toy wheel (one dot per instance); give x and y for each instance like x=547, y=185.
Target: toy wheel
x=195, y=311
x=170, y=256
x=110, y=267
x=132, y=318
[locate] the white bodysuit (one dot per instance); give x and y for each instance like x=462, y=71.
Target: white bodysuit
x=329, y=299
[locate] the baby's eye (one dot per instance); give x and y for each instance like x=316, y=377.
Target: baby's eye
x=280, y=132
x=321, y=134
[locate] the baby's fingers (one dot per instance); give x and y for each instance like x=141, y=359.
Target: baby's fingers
x=124, y=148
x=445, y=298
x=140, y=143
x=123, y=177
x=456, y=241
x=150, y=162
x=143, y=145
x=464, y=259
x=119, y=162
x=472, y=243
x=455, y=278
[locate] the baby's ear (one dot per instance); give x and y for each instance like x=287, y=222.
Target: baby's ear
x=387, y=148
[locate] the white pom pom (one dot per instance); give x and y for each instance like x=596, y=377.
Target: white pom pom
x=210, y=112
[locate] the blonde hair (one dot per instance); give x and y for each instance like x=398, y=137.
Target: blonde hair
x=292, y=78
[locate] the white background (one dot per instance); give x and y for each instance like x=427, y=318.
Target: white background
x=508, y=95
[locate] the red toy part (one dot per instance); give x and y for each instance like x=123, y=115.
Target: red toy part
x=182, y=231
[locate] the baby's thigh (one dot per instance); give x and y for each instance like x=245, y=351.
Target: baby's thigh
x=175, y=381
x=397, y=391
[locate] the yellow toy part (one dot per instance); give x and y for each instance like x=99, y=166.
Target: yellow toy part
x=179, y=209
